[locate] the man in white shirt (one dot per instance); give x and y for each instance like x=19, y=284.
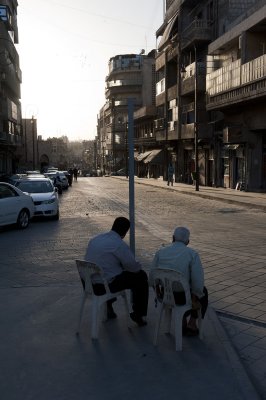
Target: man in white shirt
x=122, y=271
x=179, y=257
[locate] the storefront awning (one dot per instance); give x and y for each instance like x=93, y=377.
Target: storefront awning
x=154, y=156
x=142, y=156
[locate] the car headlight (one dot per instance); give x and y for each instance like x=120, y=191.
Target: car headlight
x=49, y=201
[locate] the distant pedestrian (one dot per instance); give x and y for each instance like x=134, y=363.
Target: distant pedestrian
x=75, y=173
x=170, y=173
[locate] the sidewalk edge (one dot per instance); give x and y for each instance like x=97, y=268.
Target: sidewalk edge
x=244, y=382
x=203, y=195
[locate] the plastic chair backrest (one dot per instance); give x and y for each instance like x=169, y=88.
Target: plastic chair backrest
x=171, y=281
x=90, y=272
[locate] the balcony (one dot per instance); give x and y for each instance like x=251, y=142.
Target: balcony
x=159, y=124
x=160, y=87
x=160, y=61
x=160, y=136
x=10, y=138
x=172, y=126
x=172, y=93
x=123, y=65
x=188, y=131
x=117, y=86
x=188, y=83
x=236, y=83
x=124, y=82
x=145, y=141
x=198, y=31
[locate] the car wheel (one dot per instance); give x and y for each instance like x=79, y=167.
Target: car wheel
x=56, y=217
x=23, y=219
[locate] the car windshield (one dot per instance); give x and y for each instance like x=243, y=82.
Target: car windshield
x=35, y=186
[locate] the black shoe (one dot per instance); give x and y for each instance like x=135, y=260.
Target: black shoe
x=110, y=313
x=139, y=320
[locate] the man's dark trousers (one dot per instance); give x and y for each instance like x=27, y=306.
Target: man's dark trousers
x=137, y=282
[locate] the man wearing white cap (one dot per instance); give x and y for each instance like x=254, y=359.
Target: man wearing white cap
x=177, y=256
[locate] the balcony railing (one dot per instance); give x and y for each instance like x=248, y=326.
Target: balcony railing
x=124, y=82
x=236, y=82
x=159, y=124
x=172, y=125
x=198, y=30
x=10, y=138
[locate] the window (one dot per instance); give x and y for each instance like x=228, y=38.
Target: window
x=6, y=192
x=5, y=14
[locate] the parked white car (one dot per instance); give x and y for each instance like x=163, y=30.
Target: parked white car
x=16, y=207
x=44, y=195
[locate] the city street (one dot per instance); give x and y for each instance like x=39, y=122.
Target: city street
x=229, y=238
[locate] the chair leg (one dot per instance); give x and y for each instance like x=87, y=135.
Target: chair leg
x=81, y=312
x=158, y=323
x=103, y=312
x=168, y=319
x=95, y=318
x=178, y=321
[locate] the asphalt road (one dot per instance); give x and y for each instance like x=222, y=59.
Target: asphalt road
x=229, y=238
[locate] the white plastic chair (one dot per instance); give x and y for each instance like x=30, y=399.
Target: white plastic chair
x=172, y=281
x=87, y=271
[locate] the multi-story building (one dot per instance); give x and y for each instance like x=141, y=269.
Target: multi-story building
x=54, y=152
x=194, y=130
x=29, y=152
x=236, y=88
x=130, y=76
x=10, y=80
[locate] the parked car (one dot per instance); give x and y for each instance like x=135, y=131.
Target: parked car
x=44, y=195
x=62, y=181
x=16, y=207
x=69, y=177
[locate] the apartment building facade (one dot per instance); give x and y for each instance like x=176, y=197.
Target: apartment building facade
x=10, y=80
x=236, y=88
x=210, y=71
x=130, y=76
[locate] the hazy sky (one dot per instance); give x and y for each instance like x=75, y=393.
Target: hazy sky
x=64, y=49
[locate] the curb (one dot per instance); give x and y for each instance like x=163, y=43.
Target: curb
x=246, y=387
x=202, y=195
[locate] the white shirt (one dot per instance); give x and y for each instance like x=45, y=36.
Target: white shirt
x=112, y=254
x=181, y=258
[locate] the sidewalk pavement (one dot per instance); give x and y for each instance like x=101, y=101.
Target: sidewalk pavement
x=42, y=357
x=230, y=196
